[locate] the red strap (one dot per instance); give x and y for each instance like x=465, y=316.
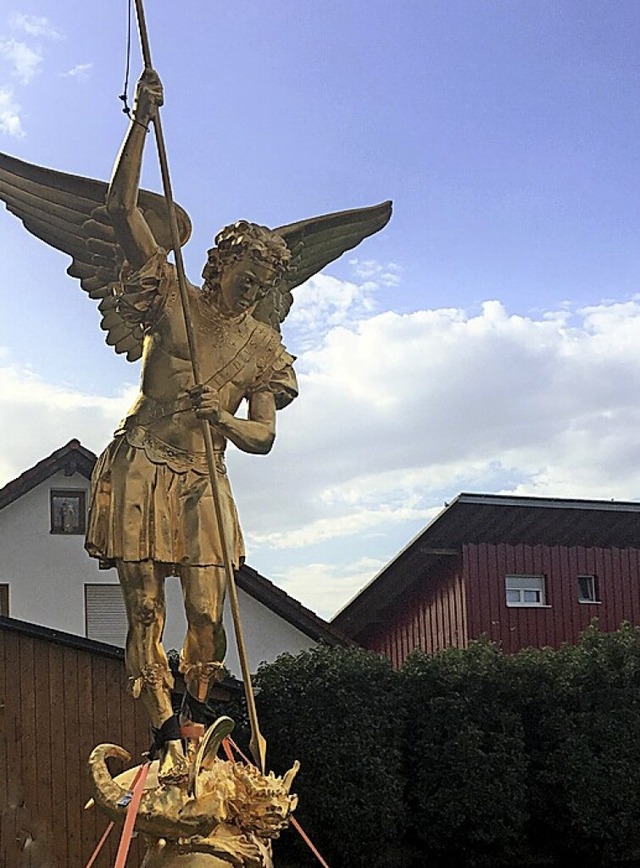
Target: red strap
x=130, y=819
x=229, y=743
x=307, y=840
x=226, y=746
x=107, y=831
x=100, y=845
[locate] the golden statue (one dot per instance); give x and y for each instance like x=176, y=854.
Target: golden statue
x=229, y=817
x=151, y=509
x=161, y=503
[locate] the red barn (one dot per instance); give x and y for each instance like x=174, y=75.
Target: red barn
x=525, y=571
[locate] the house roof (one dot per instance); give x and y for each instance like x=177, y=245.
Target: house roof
x=75, y=458
x=36, y=631
x=492, y=518
x=70, y=459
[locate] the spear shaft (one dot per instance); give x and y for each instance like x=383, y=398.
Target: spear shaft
x=258, y=744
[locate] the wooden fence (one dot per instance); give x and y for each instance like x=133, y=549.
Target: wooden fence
x=60, y=695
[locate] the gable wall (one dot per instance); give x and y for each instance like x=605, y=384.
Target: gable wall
x=46, y=572
x=431, y=617
x=564, y=618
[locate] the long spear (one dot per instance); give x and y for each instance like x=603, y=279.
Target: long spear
x=257, y=744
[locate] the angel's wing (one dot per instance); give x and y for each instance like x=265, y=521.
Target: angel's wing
x=68, y=212
x=315, y=243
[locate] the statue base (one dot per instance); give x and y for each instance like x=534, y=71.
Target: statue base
x=167, y=855
x=222, y=815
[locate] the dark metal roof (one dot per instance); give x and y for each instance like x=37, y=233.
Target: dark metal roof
x=493, y=518
x=36, y=631
x=72, y=458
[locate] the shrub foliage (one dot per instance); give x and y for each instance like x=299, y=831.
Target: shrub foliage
x=467, y=757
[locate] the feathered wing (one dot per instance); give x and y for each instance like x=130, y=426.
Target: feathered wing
x=68, y=212
x=315, y=243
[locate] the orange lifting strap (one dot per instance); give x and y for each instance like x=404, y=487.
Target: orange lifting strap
x=135, y=795
x=227, y=744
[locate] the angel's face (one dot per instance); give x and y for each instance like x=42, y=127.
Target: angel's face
x=243, y=282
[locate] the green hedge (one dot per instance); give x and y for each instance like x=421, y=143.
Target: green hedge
x=467, y=757
x=340, y=713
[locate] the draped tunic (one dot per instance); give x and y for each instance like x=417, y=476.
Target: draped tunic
x=150, y=493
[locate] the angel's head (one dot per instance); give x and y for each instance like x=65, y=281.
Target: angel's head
x=247, y=262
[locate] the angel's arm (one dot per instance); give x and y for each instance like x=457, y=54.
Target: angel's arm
x=132, y=230
x=255, y=434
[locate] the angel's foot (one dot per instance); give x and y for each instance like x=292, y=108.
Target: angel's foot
x=167, y=746
x=173, y=768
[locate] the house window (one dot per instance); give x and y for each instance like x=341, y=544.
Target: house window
x=68, y=511
x=587, y=589
x=4, y=600
x=525, y=590
x=105, y=616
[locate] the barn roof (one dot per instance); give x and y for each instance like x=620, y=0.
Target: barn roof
x=493, y=518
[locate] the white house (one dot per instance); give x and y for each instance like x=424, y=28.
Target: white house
x=47, y=578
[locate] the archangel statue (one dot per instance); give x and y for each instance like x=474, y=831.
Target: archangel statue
x=151, y=508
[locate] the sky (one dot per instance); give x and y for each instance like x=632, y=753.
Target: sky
x=487, y=340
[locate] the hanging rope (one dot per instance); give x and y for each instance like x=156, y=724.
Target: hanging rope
x=127, y=67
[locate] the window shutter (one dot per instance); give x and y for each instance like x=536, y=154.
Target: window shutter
x=106, y=618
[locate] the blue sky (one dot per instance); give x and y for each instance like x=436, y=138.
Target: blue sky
x=487, y=340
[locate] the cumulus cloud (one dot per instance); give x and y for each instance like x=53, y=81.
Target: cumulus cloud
x=34, y=25
x=81, y=71
x=322, y=303
x=24, y=61
x=325, y=587
x=398, y=413
x=373, y=274
x=39, y=416
x=10, y=119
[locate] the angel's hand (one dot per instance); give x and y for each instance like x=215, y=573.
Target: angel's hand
x=149, y=96
x=206, y=402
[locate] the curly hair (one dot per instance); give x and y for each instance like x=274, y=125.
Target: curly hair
x=242, y=238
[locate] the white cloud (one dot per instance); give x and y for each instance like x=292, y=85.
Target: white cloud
x=396, y=414
x=399, y=412
x=35, y=25
x=25, y=61
x=38, y=417
x=325, y=587
x=324, y=302
x=375, y=274
x=81, y=71
x=10, y=119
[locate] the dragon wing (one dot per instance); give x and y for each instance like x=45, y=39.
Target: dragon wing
x=68, y=212
x=315, y=243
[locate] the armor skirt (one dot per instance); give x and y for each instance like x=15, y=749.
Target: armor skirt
x=144, y=509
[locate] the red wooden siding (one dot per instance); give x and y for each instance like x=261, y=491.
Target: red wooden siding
x=564, y=619
x=56, y=703
x=431, y=617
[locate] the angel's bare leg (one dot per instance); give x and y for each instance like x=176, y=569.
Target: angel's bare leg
x=142, y=585
x=205, y=644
